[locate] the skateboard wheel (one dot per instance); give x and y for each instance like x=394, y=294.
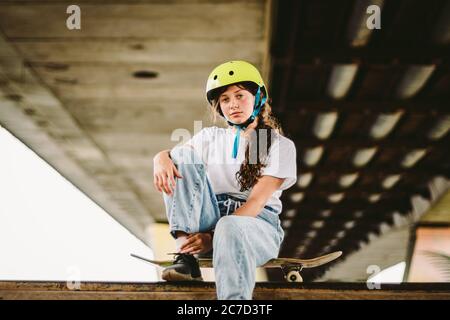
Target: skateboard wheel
x=294, y=276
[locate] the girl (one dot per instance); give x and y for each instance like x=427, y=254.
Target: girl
x=229, y=183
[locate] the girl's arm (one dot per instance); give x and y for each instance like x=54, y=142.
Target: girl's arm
x=259, y=195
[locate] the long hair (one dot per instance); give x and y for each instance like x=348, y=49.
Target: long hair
x=250, y=170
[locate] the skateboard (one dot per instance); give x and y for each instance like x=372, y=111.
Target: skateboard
x=291, y=267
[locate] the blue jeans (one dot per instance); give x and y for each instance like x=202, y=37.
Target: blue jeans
x=240, y=243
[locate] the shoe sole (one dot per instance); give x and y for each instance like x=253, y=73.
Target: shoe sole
x=172, y=275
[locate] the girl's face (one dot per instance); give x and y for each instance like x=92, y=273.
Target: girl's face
x=236, y=104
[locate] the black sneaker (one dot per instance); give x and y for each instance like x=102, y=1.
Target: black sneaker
x=184, y=268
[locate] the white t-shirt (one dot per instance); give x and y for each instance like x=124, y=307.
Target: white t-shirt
x=214, y=145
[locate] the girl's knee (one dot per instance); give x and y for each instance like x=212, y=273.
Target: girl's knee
x=187, y=161
x=185, y=155
x=228, y=227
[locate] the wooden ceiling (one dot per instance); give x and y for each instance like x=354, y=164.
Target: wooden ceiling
x=368, y=111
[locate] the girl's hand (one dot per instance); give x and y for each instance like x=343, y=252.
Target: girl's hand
x=197, y=243
x=164, y=171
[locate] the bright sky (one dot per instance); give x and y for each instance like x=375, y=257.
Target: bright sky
x=49, y=230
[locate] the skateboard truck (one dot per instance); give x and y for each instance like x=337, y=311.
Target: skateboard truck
x=292, y=272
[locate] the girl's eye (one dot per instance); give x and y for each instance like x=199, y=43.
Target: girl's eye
x=225, y=100
x=239, y=96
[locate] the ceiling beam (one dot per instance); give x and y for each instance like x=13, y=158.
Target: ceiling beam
x=302, y=141
x=362, y=191
x=401, y=204
x=368, y=107
x=395, y=56
x=375, y=169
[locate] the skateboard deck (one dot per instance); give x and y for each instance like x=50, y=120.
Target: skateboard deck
x=291, y=267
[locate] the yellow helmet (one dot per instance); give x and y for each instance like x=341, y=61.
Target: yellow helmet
x=233, y=72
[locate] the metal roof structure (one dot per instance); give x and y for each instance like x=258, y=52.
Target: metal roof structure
x=368, y=111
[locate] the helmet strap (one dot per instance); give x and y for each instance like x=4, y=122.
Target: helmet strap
x=236, y=142
x=242, y=126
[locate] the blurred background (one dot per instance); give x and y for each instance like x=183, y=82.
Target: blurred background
x=368, y=110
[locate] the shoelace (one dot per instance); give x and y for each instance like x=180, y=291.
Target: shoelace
x=228, y=203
